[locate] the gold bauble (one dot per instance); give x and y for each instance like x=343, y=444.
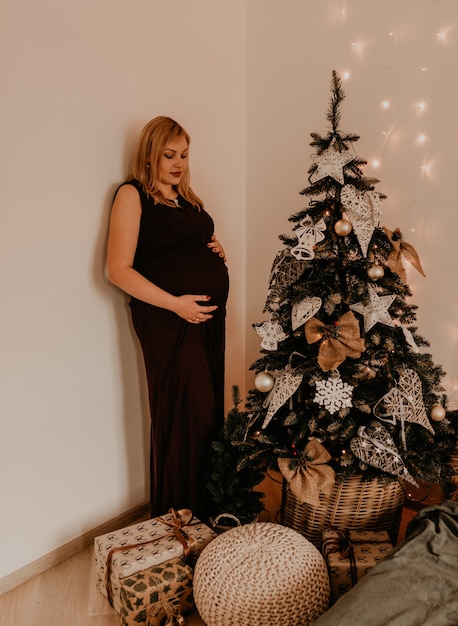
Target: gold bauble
x=342, y=227
x=264, y=381
x=375, y=272
x=437, y=413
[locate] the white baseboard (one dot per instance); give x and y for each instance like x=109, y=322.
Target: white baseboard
x=22, y=575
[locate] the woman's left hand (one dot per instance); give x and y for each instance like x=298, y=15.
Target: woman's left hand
x=217, y=248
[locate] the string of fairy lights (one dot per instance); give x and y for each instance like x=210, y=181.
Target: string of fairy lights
x=396, y=113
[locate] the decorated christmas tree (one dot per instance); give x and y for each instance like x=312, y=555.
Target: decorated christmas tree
x=344, y=382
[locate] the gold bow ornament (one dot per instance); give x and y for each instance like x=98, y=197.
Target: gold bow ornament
x=401, y=248
x=339, y=340
x=309, y=475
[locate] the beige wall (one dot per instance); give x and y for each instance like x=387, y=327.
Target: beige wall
x=78, y=81
x=249, y=79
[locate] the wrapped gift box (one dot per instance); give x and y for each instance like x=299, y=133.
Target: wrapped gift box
x=135, y=548
x=350, y=554
x=158, y=595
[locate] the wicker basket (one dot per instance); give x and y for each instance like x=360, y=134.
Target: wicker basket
x=354, y=504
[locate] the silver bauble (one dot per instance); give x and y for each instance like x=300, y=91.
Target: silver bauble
x=375, y=272
x=342, y=227
x=264, y=381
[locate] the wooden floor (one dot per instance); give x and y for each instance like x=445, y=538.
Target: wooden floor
x=65, y=595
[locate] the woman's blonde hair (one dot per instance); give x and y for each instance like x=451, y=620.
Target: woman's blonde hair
x=152, y=142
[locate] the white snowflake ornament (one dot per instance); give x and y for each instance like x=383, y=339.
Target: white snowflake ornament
x=331, y=163
x=333, y=394
x=304, y=310
x=364, y=209
x=271, y=333
x=376, y=311
x=308, y=234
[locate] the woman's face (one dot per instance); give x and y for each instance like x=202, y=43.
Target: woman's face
x=174, y=162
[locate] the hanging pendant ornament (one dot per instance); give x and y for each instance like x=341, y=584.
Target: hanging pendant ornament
x=308, y=234
x=404, y=402
x=375, y=446
x=364, y=209
x=376, y=311
x=343, y=227
x=410, y=340
x=285, y=386
x=271, y=333
x=304, y=310
x=264, y=381
x=437, y=413
x=331, y=163
x=401, y=249
x=333, y=394
x=375, y=272
x=286, y=269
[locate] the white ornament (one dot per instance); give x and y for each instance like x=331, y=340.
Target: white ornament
x=285, y=386
x=331, y=163
x=364, y=209
x=410, y=340
x=264, y=381
x=308, y=234
x=304, y=310
x=404, y=402
x=333, y=394
x=375, y=446
x=286, y=269
x=376, y=311
x=271, y=333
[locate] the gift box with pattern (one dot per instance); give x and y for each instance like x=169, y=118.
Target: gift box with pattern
x=159, y=595
x=350, y=554
x=137, y=547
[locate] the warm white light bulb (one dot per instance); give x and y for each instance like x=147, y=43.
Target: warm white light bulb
x=385, y=104
x=426, y=169
x=421, y=106
x=375, y=163
x=421, y=138
x=345, y=75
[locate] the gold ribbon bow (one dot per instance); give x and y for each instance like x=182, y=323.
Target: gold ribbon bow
x=339, y=340
x=401, y=248
x=168, y=608
x=180, y=519
x=311, y=476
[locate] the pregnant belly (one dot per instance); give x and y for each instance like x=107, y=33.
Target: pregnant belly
x=197, y=271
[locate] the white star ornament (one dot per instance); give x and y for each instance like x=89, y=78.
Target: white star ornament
x=376, y=311
x=331, y=163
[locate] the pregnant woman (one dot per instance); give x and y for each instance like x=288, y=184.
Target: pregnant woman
x=162, y=251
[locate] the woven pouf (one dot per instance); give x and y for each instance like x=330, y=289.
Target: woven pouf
x=260, y=573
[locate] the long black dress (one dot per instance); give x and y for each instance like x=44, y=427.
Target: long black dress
x=184, y=362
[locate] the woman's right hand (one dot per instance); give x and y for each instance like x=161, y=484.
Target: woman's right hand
x=189, y=309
